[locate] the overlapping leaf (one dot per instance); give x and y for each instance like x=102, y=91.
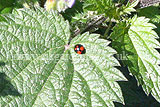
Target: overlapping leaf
x=45, y=73
x=129, y=7
x=138, y=39
x=154, y=16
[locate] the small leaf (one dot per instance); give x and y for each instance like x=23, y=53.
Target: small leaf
x=6, y=10
x=129, y=7
x=106, y=7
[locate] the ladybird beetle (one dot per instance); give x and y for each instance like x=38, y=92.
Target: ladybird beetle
x=79, y=49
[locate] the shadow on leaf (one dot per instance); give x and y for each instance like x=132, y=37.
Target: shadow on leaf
x=6, y=88
x=2, y=64
x=133, y=94
x=154, y=16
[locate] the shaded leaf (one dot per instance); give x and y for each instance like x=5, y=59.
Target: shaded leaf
x=154, y=16
x=138, y=39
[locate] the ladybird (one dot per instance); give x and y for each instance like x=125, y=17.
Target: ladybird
x=79, y=49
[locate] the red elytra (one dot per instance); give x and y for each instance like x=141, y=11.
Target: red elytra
x=79, y=52
x=79, y=49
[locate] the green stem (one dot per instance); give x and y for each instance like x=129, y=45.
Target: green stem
x=107, y=30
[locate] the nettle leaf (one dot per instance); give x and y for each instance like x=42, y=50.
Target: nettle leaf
x=138, y=40
x=106, y=7
x=94, y=74
x=40, y=69
x=129, y=7
x=154, y=16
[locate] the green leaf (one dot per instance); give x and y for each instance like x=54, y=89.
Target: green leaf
x=129, y=7
x=138, y=40
x=45, y=71
x=113, y=9
x=154, y=16
x=7, y=10
x=94, y=73
x=106, y=7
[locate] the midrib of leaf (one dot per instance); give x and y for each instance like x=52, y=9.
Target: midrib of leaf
x=142, y=60
x=34, y=18
x=60, y=26
x=29, y=63
x=152, y=67
x=100, y=98
x=151, y=79
x=46, y=80
x=11, y=42
x=10, y=33
x=148, y=88
x=26, y=67
x=69, y=103
x=143, y=43
x=84, y=82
